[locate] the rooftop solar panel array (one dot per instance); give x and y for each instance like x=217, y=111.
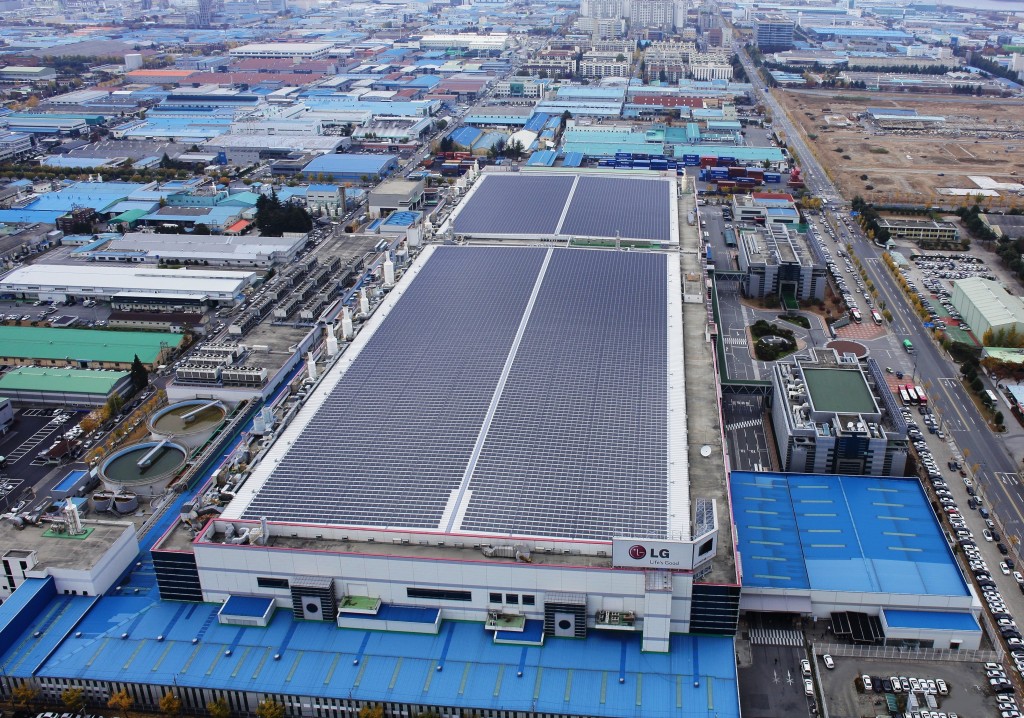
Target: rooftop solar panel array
x=578, y=442
x=638, y=209
x=392, y=440
x=514, y=204
x=598, y=206
x=545, y=417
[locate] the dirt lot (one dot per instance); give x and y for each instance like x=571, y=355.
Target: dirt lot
x=904, y=165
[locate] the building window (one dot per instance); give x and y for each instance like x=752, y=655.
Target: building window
x=495, y=598
x=512, y=598
x=267, y=582
x=439, y=594
x=529, y=599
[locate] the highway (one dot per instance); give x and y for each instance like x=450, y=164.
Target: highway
x=993, y=466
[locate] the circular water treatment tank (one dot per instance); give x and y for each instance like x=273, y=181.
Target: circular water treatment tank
x=189, y=423
x=144, y=468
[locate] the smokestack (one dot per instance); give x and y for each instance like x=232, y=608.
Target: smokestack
x=311, y=365
x=364, y=302
x=389, y=273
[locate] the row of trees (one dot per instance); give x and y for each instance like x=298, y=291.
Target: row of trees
x=869, y=218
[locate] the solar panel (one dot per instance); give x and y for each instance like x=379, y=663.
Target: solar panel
x=392, y=440
x=578, y=444
x=635, y=208
x=514, y=204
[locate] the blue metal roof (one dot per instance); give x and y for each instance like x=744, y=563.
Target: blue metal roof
x=542, y=158
x=465, y=136
x=841, y=533
x=350, y=164
x=931, y=620
x=603, y=675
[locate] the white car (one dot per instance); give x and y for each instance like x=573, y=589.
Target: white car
x=987, y=534
x=1004, y=568
x=941, y=685
x=829, y=663
x=805, y=667
x=808, y=687
x=866, y=680
x=1018, y=577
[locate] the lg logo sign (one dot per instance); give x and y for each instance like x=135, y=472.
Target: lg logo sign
x=638, y=552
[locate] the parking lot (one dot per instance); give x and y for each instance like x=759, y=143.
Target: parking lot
x=969, y=695
x=34, y=431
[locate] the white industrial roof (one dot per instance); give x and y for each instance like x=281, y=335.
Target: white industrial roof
x=281, y=48
x=995, y=304
x=95, y=278
x=319, y=143
x=250, y=245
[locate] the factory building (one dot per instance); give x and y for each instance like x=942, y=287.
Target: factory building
x=833, y=417
x=926, y=233
x=779, y=263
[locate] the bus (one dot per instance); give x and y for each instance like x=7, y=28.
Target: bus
x=912, y=394
x=904, y=396
x=922, y=399
x=855, y=315
x=876, y=317
x=990, y=396
x=908, y=346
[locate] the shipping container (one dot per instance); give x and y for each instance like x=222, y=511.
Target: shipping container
x=773, y=177
x=726, y=184
x=726, y=161
x=737, y=171
x=708, y=161
x=756, y=174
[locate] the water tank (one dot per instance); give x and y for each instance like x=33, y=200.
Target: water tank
x=145, y=468
x=189, y=423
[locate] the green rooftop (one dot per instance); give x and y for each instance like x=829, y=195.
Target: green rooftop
x=70, y=381
x=839, y=390
x=83, y=344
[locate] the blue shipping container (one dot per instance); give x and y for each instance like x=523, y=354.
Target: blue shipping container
x=772, y=177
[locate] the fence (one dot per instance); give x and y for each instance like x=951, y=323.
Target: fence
x=907, y=654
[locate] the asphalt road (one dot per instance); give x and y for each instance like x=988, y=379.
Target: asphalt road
x=996, y=468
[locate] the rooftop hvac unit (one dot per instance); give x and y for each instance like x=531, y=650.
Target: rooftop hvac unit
x=197, y=374
x=287, y=307
x=244, y=376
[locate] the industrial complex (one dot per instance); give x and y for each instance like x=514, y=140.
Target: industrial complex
x=506, y=360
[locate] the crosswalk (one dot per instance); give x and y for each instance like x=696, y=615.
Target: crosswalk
x=735, y=341
x=749, y=424
x=776, y=637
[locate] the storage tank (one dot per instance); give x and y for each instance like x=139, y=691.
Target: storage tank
x=189, y=423
x=144, y=468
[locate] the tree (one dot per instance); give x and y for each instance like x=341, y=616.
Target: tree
x=170, y=705
x=140, y=377
x=373, y=711
x=515, y=149
x=269, y=709
x=201, y=228
x=219, y=708
x=74, y=699
x=24, y=696
x=121, y=702
x=998, y=418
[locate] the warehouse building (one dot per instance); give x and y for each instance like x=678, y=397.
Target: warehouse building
x=985, y=305
x=250, y=250
x=247, y=149
x=58, y=283
x=83, y=348
x=351, y=168
x=780, y=263
x=832, y=417
x=49, y=386
x=865, y=552
x=926, y=233
x=296, y=51
x=15, y=145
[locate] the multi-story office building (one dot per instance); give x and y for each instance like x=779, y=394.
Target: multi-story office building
x=773, y=32
x=832, y=417
x=778, y=263
x=925, y=232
